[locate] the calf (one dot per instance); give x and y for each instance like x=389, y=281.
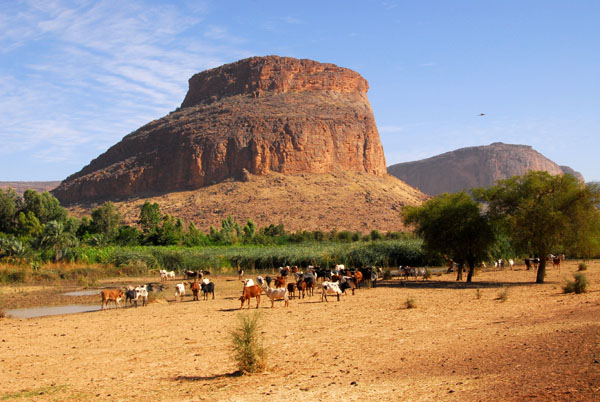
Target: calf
x=114, y=295
x=330, y=288
x=207, y=288
x=250, y=292
x=163, y=275
x=240, y=274
x=179, y=290
x=141, y=291
x=347, y=282
x=195, y=288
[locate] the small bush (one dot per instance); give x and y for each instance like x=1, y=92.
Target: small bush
x=503, y=295
x=410, y=303
x=387, y=275
x=579, y=285
x=248, y=351
x=582, y=266
x=478, y=294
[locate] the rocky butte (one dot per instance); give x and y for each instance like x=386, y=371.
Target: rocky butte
x=472, y=167
x=254, y=116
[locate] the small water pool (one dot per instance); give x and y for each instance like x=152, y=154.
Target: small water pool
x=52, y=310
x=82, y=293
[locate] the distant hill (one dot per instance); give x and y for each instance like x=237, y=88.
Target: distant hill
x=21, y=186
x=473, y=167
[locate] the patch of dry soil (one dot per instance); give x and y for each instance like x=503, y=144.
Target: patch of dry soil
x=538, y=344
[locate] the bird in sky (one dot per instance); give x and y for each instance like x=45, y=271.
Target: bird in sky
x=481, y=114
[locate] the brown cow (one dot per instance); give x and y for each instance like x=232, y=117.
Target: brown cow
x=279, y=282
x=195, y=287
x=112, y=295
x=250, y=292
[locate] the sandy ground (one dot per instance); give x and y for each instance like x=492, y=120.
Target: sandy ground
x=458, y=343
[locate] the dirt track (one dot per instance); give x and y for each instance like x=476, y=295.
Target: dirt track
x=539, y=343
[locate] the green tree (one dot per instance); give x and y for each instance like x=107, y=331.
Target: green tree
x=194, y=237
x=9, y=202
x=543, y=213
x=45, y=206
x=249, y=230
x=28, y=225
x=57, y=238
x=453, y=225
x=106, y=220
x=150, y=217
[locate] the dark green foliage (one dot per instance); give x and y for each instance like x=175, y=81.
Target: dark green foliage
x=44, y=206
x=128, y=236
x=453, y=225
x=579, y=285
x=55, y=237
x=150, y=217
x=387, y=275
x=9, y=204
x=582, y=266
x=105, y=221
x=542, y=213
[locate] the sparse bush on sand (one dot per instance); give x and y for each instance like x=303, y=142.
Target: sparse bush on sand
x=579, y=285
x=503, y=295
x=410, y=303
x=248, y=351
x=582, y=266
x=478, y=294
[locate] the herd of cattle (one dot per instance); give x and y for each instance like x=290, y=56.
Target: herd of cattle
x=332, y=282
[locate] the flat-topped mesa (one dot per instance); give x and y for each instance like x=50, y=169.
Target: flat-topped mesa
x=256, y=75
x=258, y=115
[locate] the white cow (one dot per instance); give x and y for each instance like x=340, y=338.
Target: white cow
x=141, y=291
x=330, y=288
x=180, y=290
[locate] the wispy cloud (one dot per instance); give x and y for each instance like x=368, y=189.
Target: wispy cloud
x=85, y=73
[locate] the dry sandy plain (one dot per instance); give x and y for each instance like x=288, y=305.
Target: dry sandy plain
x=538, y=344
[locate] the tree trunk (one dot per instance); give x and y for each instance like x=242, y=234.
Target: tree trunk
x=459, y=270
x=471, y=272
x=541, y=272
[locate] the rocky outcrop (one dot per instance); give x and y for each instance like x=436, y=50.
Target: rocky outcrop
x=21, y=186
x=259, y=115
x=473, y=167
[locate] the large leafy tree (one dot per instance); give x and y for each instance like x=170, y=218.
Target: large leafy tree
x=106, y=220
x=544, y=213
x=150, y=217
x=453, y=225
x=45, y=206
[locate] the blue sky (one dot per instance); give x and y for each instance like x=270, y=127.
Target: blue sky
x=76, y=76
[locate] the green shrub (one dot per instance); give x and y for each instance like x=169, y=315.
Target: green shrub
x=503, y=295
x=582, y=266
x=579, y=285
x=248, y=352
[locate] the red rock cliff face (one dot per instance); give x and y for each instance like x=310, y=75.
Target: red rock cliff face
x=260, y=114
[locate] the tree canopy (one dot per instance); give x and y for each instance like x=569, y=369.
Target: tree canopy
x=453, y=225
x=544, y=214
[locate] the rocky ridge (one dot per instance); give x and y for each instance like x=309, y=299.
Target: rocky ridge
x=472, y=167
